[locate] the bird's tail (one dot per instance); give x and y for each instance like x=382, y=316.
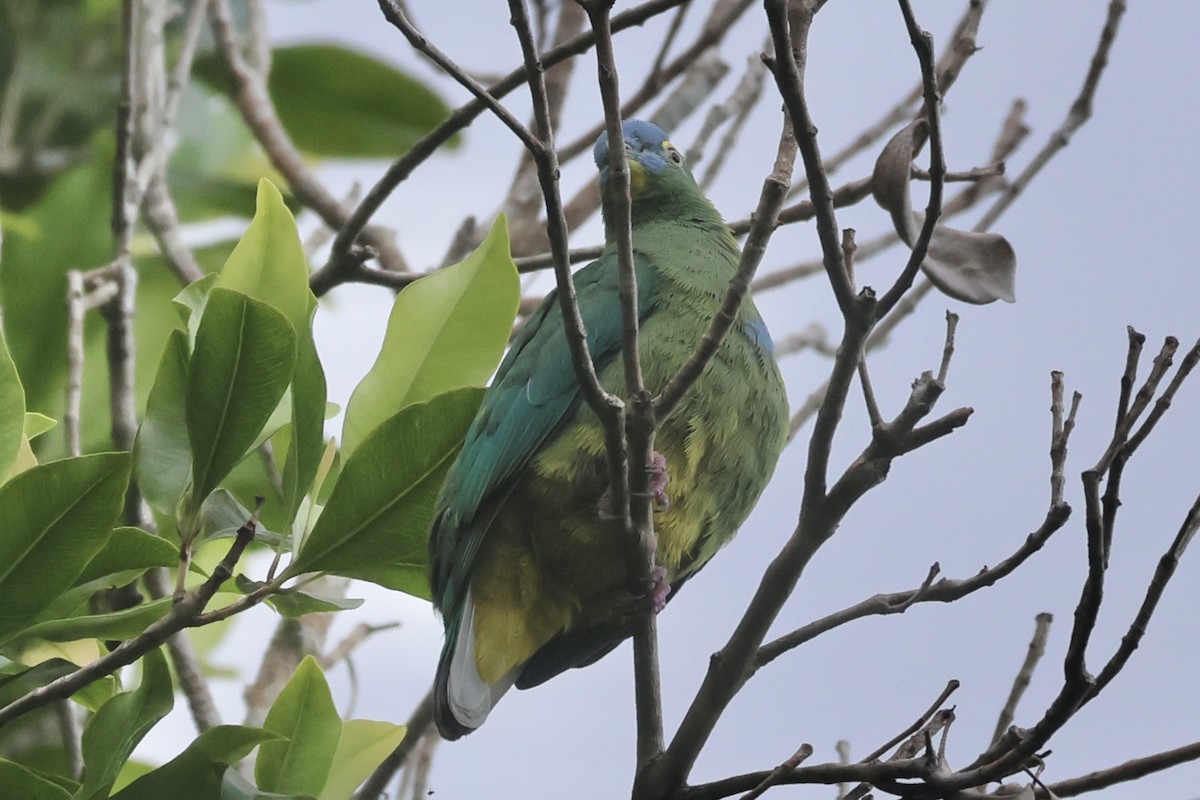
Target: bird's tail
x=462, y=699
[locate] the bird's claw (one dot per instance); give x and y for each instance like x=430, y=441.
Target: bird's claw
x=656, y=488
x=656, y=485
x=660, y=589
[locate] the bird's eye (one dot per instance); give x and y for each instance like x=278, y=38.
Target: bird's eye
x=674, y=155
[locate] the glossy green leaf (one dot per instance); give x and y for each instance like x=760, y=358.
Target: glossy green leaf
x=244, y=357
x=445, y=331
x=12, y=410
x=191, y=299
x=192, y=775
x=235, y=787
x=303, y=713
x=29, y=678
x=376, y=523
x=57, y=516
x=124, y=624
x=50, y=660
x=36, y=424
x=308, y=420
x=28, y=785
x=268, y=262
x=297, y=602
x=364, y=745
x=129, y=549
x=269, y=265
x=222, y=515
x=162, y=456
x=121, y=723
x=338, y=102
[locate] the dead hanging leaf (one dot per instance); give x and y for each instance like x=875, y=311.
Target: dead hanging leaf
x=973, y=267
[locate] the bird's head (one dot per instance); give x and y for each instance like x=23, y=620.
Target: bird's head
x=652, y=159
x=659, y=180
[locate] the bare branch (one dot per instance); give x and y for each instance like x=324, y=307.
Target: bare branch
x=943, y=591
x=779, y=772
x=769, y=203
x=1037, y=648
x=1078, y=115
x=254, y=103
x=1129, y=771
x=333, y=272
x=788, y=70
x=922, y=43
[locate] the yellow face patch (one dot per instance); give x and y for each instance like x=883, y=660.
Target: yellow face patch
x=637, y=176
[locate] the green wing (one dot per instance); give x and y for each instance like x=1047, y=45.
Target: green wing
x=533, y=394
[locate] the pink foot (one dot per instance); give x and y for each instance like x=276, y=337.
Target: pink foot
x=656, y=487
x=658, y=480
x=660, y=590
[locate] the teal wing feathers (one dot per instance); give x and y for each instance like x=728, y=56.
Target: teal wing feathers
x=534, y=392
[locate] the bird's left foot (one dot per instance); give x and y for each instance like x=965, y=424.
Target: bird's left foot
x=656, y=484
x=660, y=590
x=656, y=487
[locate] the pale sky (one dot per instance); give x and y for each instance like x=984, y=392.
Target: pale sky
x=1106, y=237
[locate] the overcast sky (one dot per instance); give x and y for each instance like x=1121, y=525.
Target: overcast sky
x=1106, y=237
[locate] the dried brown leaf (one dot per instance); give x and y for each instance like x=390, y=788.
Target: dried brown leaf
x=970, y=266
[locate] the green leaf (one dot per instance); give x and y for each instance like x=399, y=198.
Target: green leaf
x=445, y=331
x=303, y=713
x=121, y=723
x=296, y=602
x=244, y=357
x=235, y=787
x=12, y=410
x=308, y=419
x=162, y=457
x=376, y=523
x=21, y=683
x=268, y=263
x=364, y=745
x=222, y=515
x=341, y=103
x=124, y=624
x=129, y=549
x=56, y=518
x=28, y=785
x=36, y=424
x=191, y=774
x=192, y=298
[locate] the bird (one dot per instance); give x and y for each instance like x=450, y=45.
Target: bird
x=527, y=565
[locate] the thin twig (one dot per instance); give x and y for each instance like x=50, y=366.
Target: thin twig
x=1037, y=648
x=769, y=203
x=1078, y=115
x=1129, y=771
x=779, y=772
x=788, y=70
x=922, y=43
x=340, y=266
x=639, y=425
x=254, y=102
x=943, y=591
